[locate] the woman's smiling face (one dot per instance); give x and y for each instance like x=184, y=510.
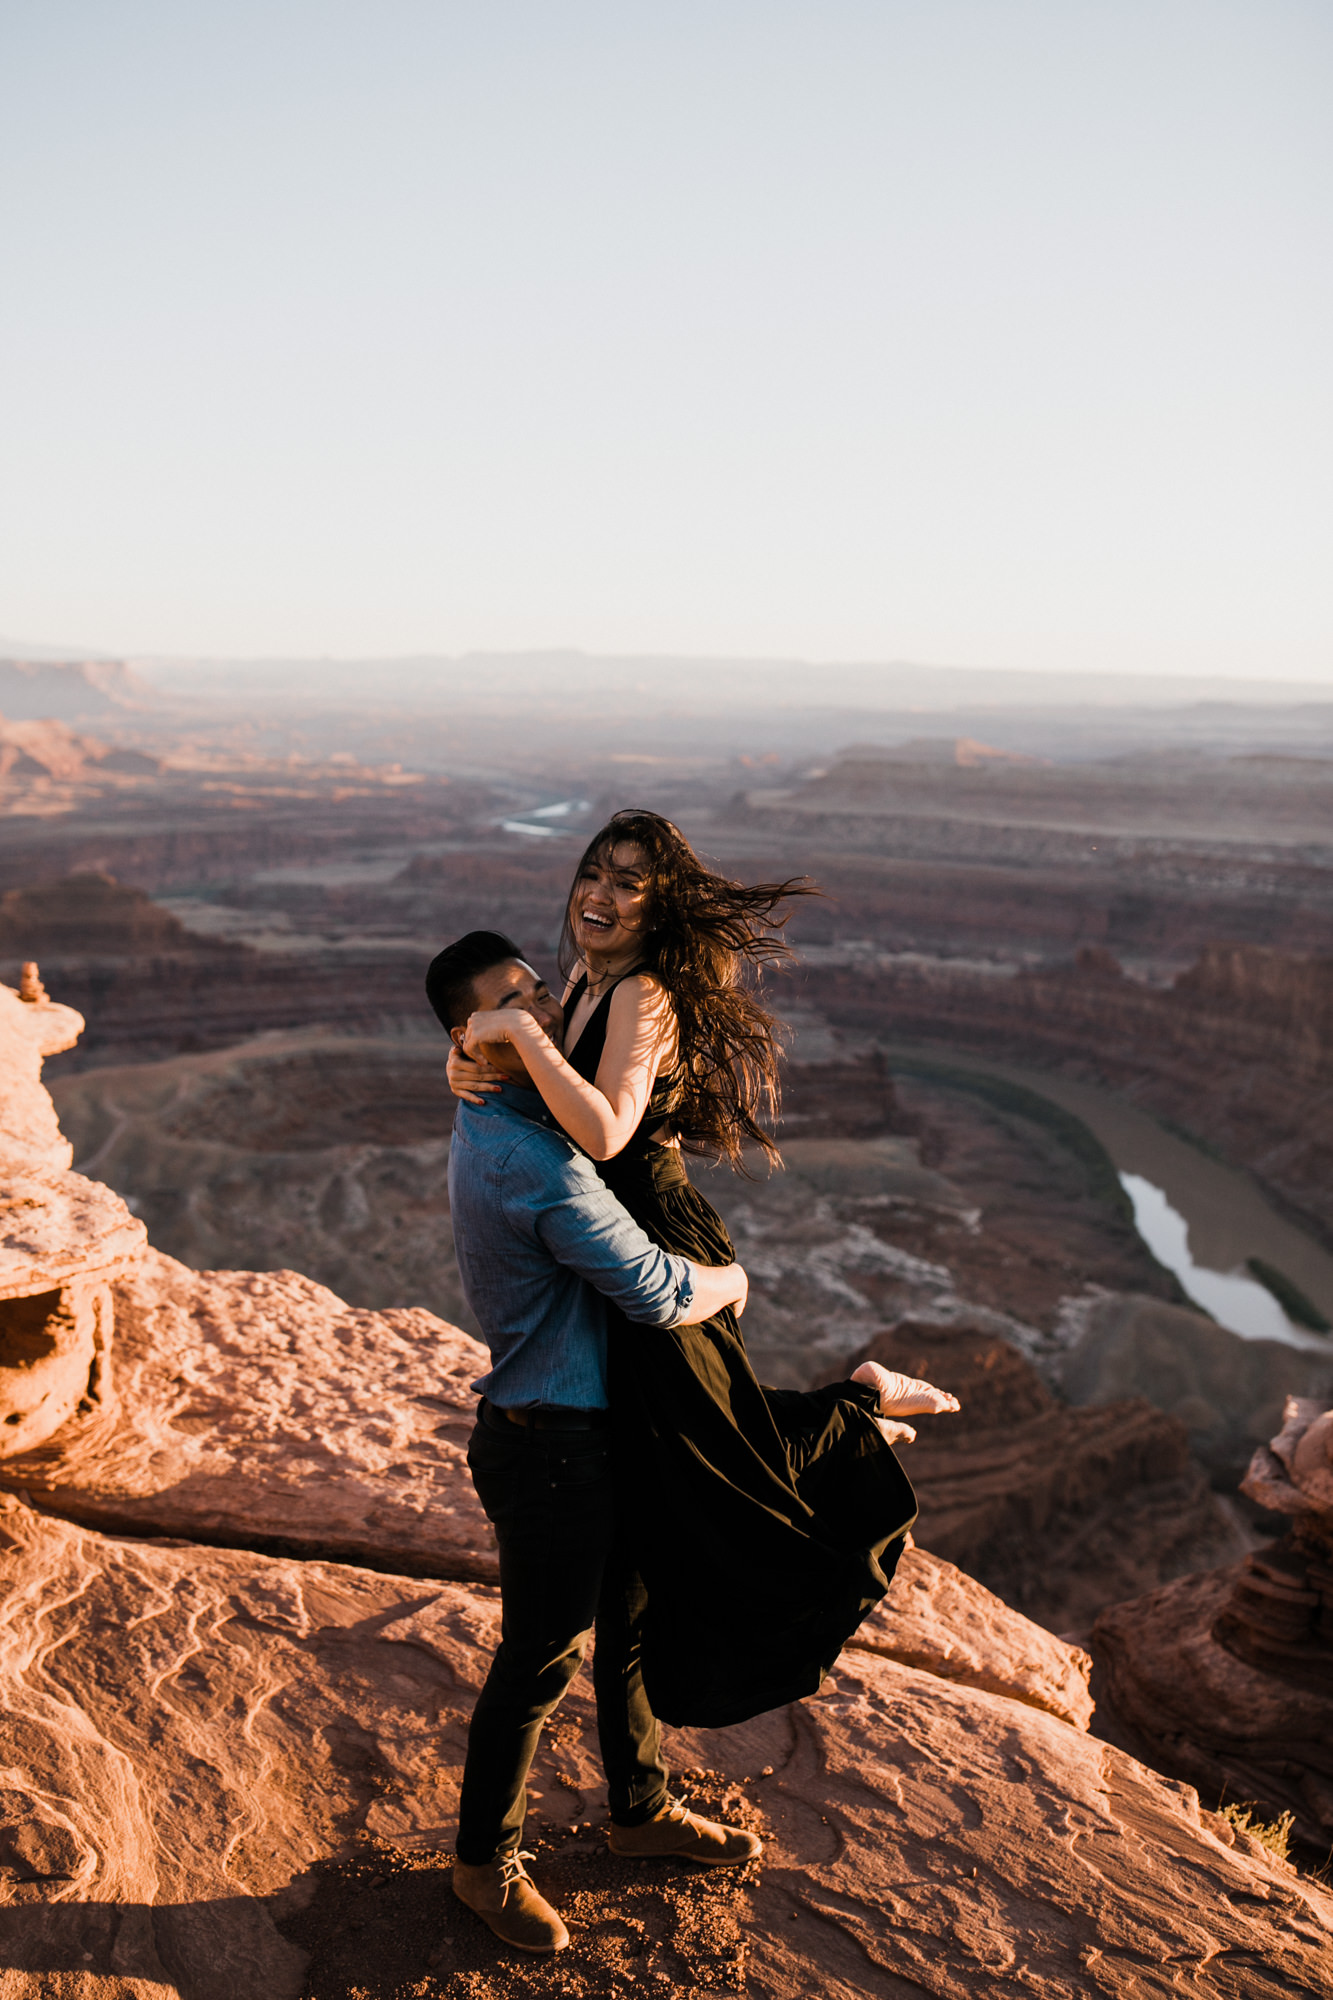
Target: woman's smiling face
x=609, y=905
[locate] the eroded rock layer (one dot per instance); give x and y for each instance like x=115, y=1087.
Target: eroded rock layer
x=290, y=1152
x=1228, y=1678
x=1239, y=1049
x=29, y=1032
x=1237, y=1730
x=256, y=1408
x=189, y=1735
x=946, y=1623
x=63, y=1238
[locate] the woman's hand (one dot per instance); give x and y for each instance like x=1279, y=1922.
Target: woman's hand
x=471, y=1078
x=499, y=1024
x=717, y=1286
x=904, y=1395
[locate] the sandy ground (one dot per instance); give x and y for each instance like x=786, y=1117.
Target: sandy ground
x=386, y=1925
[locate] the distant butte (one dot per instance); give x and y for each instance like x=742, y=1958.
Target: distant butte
x=962, y=751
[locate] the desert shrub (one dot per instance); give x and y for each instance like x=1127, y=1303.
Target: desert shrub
x=1274, y=1834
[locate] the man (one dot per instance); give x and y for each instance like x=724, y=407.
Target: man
x=542, y=1245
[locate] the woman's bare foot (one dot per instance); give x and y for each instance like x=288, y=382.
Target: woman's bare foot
x=904, y=1395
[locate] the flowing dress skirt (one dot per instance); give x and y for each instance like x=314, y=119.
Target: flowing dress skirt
x=767, y=1522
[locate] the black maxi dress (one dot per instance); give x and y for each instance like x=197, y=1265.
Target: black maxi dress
x=766, y=1523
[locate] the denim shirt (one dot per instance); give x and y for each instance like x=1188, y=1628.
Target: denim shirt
x=542, y=1245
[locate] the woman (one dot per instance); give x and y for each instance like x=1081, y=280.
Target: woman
x=768, y=1520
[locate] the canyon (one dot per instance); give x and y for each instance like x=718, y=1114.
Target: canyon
x=1126, y=921
x=232, y=1750
x=258, y=1430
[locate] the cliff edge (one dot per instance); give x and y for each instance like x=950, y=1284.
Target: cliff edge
x=243, y=1622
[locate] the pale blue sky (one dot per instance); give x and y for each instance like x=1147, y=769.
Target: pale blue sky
x=993, y=332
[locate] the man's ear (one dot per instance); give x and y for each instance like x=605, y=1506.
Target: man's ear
x=456, y=1037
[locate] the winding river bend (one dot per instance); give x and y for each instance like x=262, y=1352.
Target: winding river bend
x=1201, y=1218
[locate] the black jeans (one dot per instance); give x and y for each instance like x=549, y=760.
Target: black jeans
x=550, y=1496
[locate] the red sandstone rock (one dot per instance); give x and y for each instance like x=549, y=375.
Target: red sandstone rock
x=62, y=1239
x=93, y=916
x=1234, y=1729
x=310, y=1152
x=258, y=1409
x=1239, y=1049
x=988, y=910
x=945, y=1623
x=1228, y=1678
x=55, y=1227
x=186, y=1733
x=42, y=748
x=1294, y=1475
x=926, y=1839
x=29, y=1134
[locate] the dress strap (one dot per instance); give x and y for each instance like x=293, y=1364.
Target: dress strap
x=587, y=1050
x=576, y=993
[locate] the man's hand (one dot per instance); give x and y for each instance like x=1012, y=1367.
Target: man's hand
x=717, y=1286
x=473, y=1081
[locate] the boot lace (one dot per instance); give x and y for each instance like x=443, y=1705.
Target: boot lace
x=512, y=1872
x=677, y=1811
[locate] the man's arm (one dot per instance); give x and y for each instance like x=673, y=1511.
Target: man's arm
x=582, y=1225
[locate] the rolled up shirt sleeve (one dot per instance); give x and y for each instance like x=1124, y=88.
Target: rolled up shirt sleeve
x=584, y=1227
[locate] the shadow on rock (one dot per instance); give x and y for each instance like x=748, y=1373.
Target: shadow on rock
x=202, y=1951
x=386, y=1925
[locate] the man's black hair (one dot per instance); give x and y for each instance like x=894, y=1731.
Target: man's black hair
x=449, y=981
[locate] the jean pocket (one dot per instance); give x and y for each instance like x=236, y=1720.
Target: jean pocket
x=491, y=1451
x=577, y=1467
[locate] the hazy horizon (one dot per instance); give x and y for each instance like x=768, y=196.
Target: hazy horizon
x=757, y=704
x=979, y=333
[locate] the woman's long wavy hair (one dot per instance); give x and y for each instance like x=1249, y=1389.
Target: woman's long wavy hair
x=709, y=941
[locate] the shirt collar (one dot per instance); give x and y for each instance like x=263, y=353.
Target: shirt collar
x=527, y=1102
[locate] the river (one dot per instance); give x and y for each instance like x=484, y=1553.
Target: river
x=1198, y=1216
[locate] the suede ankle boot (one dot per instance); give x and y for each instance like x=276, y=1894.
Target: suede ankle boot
x=503, y=1895
x=679, y=1832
